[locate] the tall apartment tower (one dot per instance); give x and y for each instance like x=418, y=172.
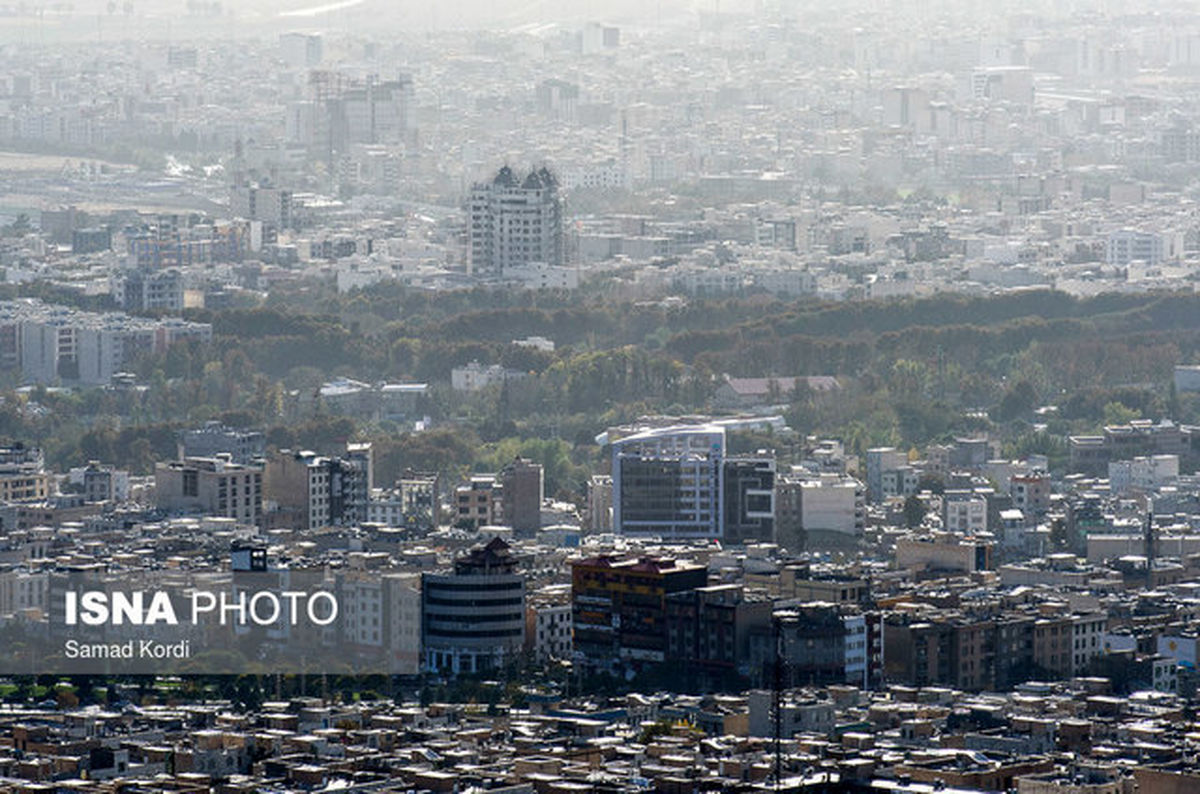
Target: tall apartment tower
x=312, y=491
x=515, y=222
x=301, y=50
x=523, y=487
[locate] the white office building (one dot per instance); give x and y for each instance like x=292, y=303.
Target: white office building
x=676, y=483
x=515, y=223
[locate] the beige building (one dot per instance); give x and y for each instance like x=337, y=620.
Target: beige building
x=477, y=502
x=25, y=486
x=23, y=477
x=799, y=582
x=312, y=491
x=548, y=624
x=1052, y=644
x=23, y=590
x=384, y=612
x=212, y=486
x=600, y=494
x=1065, y=644
x=825, y=502
x=293, y=489
x=1166, y=781
x=522, y=489
x=1092, y=781
x=943, y=553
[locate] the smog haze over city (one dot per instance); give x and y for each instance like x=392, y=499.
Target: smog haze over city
x=599, y=396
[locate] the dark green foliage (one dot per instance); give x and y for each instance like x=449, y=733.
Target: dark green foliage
x=914, y=511
x=1018, y=402
x=911, y=371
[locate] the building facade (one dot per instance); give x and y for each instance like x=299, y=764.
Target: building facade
x=880, y=461
x=677, y=484
x=515, y=222
x=522, y=489
x=473, y=619
x=548, y=629
x=315, y=491
x=826, y=502
x=214, y=438
x=212, y=486
x=717, y=633
x=619, y=608
x=478, y=502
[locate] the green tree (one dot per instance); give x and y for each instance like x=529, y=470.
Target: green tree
x=914, y=511
x=1018, y=401
x=1117, y=413
x=141, y=456
x=909, y=378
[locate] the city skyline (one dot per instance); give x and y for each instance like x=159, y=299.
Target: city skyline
x=600, y=398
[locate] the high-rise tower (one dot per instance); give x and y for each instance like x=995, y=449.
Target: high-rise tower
x=515, y=222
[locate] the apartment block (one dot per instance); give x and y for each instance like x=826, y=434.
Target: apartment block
x=522, y=490
x=716, y=632
x=478, y=502
x=825, y=502
x=214, y=438
x=318, y=491
x=619, y=608
x=515, y=222
x=211, y=486
x=52, y=344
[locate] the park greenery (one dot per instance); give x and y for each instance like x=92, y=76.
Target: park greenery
x=1027, y=367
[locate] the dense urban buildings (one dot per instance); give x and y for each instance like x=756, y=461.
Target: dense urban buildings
x=696, y=397
x=52, y=344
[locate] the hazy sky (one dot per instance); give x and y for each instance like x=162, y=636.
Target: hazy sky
x=90, y=19
x=183, y=19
